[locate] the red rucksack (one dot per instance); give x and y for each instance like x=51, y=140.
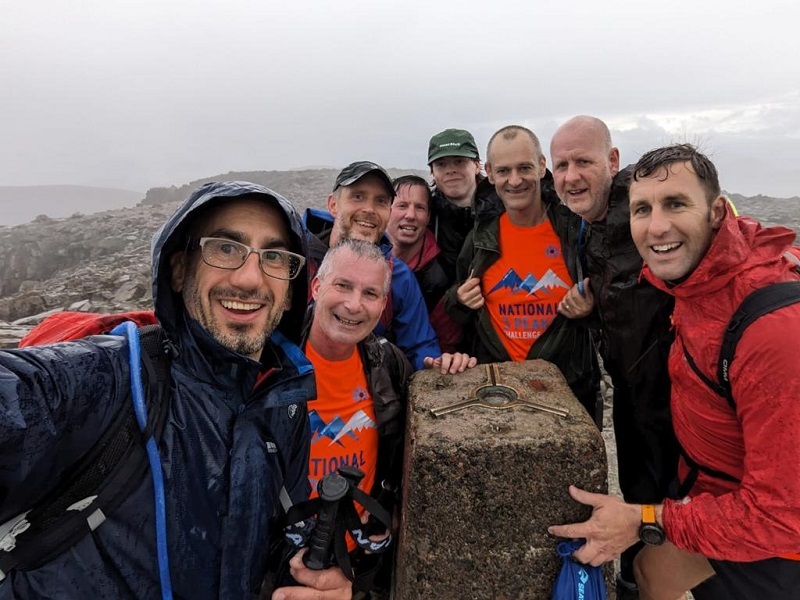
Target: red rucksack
x=68, y=325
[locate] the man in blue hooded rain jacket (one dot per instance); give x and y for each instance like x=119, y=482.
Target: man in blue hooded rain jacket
x=229, y=287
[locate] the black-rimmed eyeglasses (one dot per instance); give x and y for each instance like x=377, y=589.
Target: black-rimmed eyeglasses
x=227, y=254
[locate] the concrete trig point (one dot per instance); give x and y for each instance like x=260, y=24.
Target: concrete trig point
x=489, y=456
x=496, y=395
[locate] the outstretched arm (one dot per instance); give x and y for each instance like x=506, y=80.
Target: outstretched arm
x=411, y=324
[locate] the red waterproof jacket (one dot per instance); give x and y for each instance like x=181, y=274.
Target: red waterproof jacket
x=759, y=443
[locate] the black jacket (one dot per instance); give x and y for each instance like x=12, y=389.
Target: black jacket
x=634, y=316
x=451, y=224
x=634, y=340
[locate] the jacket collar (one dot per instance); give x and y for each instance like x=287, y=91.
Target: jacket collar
x=428, y=251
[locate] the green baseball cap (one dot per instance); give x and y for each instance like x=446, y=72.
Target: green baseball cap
x=452, y=142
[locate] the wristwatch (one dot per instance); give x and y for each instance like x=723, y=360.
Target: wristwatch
x=650, y=532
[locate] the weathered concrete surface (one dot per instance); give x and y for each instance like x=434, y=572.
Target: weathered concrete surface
x=482, y=485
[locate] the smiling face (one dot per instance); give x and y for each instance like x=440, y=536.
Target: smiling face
x=360, y=210
x=349, y=300
x=584, y=165
x=672, y=221
x=240, y=308
x=409, y=217
x=454, y=176
x=515, y=166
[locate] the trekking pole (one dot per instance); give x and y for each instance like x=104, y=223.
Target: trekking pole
x=331, y=489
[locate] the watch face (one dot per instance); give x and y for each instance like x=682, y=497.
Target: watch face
x=652, y=535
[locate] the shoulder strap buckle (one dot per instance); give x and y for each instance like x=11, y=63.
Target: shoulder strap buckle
x=11, y=529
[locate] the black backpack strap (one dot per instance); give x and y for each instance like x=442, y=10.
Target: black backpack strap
x=157, y=352
x=755, y=305
x=683, y=488
x=101, y=480
x=388, y=469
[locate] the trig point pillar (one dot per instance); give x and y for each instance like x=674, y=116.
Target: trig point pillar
x=489, y=456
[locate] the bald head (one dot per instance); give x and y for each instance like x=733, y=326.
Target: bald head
x=510, y=132
x=587, y=127
x=584, y=165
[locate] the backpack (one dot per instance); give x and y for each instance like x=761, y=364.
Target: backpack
x=109, y=472
x=69, y=325
x=755, y=305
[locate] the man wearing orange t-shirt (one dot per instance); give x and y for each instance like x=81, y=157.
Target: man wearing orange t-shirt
x=358, y=418
x=516, y=276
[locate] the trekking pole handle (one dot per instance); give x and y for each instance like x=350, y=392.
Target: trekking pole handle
x=331, y=489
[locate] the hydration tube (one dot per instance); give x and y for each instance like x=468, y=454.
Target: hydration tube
x=131, y=332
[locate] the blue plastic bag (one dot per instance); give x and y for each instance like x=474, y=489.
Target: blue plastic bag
x=577, y=581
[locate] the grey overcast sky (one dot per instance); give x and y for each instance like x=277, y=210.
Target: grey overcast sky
x=140, y=93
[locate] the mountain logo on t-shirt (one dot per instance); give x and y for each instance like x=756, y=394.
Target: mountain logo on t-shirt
x=548, y=282
x=512, y=281
x=337, y=428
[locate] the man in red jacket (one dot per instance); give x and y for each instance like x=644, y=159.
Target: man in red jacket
x=740, y=518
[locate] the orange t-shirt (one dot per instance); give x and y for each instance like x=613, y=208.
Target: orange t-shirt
x=523, y=288
x=342, y=421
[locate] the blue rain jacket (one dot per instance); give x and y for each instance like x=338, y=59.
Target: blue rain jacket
x=227, y=448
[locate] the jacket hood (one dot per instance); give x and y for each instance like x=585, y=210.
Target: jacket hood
x=171, y=238
x=741, y=245
x=319, y=223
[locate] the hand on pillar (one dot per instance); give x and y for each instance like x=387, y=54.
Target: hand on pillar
x=457, y=362
x=613, y=527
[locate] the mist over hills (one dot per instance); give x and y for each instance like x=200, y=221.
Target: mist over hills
x=100, y=261
x=20, y=204
x=304, y=188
